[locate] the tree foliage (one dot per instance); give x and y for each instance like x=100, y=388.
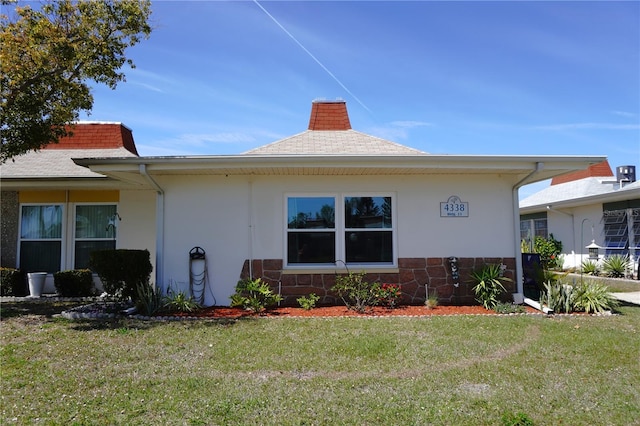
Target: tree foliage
x=48, y=54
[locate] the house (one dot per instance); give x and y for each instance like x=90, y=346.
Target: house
x=584, y=208
x=297, y=211
x=55, y=212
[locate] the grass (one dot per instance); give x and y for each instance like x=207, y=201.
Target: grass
x=465, y=370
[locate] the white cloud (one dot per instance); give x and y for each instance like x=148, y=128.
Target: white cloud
x=407, y=124
x=589, y=126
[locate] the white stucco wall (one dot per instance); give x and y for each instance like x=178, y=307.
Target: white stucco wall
x=214, y=212
x=575, y=230
x=137, y=228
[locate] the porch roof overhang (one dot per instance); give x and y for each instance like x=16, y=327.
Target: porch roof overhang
x=608, y=197
x=519, y=168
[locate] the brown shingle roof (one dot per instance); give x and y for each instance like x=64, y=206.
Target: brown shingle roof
x=330, y=133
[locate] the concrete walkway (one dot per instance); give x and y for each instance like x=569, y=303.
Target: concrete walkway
x=630, y=297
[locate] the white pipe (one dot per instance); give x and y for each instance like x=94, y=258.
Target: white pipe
x=516, y=226
x=159, y=226
x=537, y=306
x=250, y=229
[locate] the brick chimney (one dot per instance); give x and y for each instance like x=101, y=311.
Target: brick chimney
x=329, y=115
x=595, y=170
x=97, y=136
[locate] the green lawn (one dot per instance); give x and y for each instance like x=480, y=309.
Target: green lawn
x=471, y=370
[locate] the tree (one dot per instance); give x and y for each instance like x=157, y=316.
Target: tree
x=46, y=57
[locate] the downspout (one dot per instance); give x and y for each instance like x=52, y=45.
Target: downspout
x=573, y=230
x=250, y=228
x=159, y=226
x=516, y=226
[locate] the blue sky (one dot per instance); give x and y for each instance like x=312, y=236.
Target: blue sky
x=495, y=78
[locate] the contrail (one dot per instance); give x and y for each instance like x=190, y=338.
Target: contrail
x=311, y=55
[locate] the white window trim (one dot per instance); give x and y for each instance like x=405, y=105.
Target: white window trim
x=71, y=247
x=63, y=231
x=340, y=231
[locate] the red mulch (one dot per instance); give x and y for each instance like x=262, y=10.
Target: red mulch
x=339, y=311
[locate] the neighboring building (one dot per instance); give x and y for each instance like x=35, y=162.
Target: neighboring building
x=587, y=206
x=296, y=211
x=55, y=212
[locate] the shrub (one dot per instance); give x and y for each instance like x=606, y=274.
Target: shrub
x=616, y=266
x=149, y=300
x=432, y=300
x=180, y=302
x=122, y=271
x=488, y=285
x=356, y=293
x=74, y=283
x=508, y=308
x=254, y=295
x=309, y=302
x=389, y=295
x=549, y=250
x=588, y=296
x=591, y=296
x=589, y=267
x=13, y=282
x=557, y=296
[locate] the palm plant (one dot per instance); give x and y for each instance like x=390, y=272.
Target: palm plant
x=488, y=285
x=616, y=266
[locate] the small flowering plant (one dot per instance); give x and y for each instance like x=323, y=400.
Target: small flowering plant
x=389, y=295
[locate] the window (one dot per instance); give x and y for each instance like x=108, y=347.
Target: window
x=41, y=238
x=52, y=240
x=532, y=226
x=95, y=229
x=356, y=229
x=311, y=236
x=368, y=236
x=621, y=222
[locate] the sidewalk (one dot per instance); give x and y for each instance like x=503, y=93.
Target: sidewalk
x=631, y=297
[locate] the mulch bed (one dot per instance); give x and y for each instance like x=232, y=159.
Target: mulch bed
x=341, y=311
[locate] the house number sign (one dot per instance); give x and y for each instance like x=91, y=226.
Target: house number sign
x=454, y=207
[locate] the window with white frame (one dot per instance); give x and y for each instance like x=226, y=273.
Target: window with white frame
x=532, y=226
x=357, y=229
x=95, y=229
x=41, y=234
x=49, y=242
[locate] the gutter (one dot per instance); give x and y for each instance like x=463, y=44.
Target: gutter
x=159, y=225
x=516, y=226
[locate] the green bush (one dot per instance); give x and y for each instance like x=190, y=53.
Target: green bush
x=557, y=296
x=389, y=295
x=356, y=293
x=122, y=271
x=180, y=302
x=591, y=296
x=508, y=308
x=74, y=283
x=587, y=296
x=148, y=299
x=309, y=302
x=13, y=282
x=616, y=266
x=254, y=295
x=549, y=250
x=488, y=285
x=589, y=267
